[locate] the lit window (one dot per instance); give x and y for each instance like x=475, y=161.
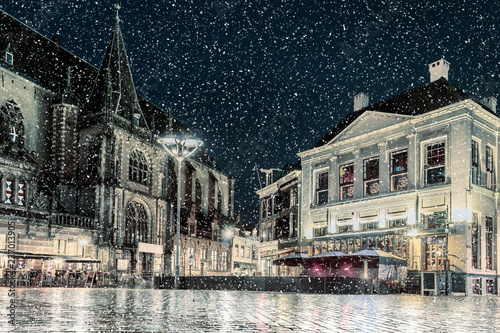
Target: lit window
x=138, y=168
x=322, y=187
x=344, y=228
x=370, y=226
x=435, y=163
x=489, y=242
x=346, y=181
x=476, y=242
x=370, y=176
x=490, y=168
x=399, y=170
x=397, y=223
x=475, y=173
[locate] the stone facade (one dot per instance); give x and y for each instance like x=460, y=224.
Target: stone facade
x=81, y=172
x=414, y=175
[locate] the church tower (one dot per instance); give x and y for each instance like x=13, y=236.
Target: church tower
x=64, y=135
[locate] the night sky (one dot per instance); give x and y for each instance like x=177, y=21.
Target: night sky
x=260, y=81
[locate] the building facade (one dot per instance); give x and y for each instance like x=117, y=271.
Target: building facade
x=414, y=175
x=278, y=219
x=81, y=172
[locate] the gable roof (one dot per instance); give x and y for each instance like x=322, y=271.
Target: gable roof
x=417, y=101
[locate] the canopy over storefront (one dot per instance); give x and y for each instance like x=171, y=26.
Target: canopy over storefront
x=384, y=258
x=292, y=259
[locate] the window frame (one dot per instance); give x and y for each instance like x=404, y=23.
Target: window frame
x=371, y=182
x=139, y=170
x=399, y=179
x=434, y=166
x=490, y=167
x=344, y=186
x=475, y=172
x=321, y=177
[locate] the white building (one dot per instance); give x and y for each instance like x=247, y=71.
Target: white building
x=414, y=175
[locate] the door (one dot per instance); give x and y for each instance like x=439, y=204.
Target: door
x=435, y=253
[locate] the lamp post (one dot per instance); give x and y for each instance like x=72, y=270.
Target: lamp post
x=180, y=149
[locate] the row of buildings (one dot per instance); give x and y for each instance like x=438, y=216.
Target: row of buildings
x=84, y=182
x=413, y=175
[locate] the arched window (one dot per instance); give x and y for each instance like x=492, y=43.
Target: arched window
x=138, y=169
x=219, y=201
x=198, y=195
x=11, y=123
x=136, y=224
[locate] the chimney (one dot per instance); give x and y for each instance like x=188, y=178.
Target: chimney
x=490, y=102
x=439, y=69
x=361, y=100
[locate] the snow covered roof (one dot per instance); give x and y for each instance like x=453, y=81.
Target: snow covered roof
x=417, y=101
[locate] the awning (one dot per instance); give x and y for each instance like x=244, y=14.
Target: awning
x=28, y=255
x=81, y=260
x=244, y=265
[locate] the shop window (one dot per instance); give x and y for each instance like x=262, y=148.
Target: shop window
x=344, y=228
x=322, y=187
x=434, y=220
x=475, y=170
x=399, y=170
x=370, y=226
x=395, y=223
x=476, y=286
x=490, y=168
x=435, y=163
x=476, y=241
x=346, y=181
x=491, y=286
x=488, y=225
x=318, y=232
x=371, y=176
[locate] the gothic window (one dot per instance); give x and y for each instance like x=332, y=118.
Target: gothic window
x=219, y=201
x=11, y=123
x=136, y=224
x=198, y=195
x=93, y=156
x=138, y=169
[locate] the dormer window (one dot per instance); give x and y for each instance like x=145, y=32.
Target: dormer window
x=136, y=119
x=9, y=56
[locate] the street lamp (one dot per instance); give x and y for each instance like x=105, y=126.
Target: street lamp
x=180, y=149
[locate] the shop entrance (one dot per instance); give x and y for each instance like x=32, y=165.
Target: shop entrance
x=435, y=248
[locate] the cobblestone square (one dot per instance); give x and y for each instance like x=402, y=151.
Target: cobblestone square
x=145, y=310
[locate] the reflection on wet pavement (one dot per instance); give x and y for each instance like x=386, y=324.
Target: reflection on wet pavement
x=143, y=310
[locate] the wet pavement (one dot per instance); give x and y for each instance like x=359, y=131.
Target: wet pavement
x=143, y=310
